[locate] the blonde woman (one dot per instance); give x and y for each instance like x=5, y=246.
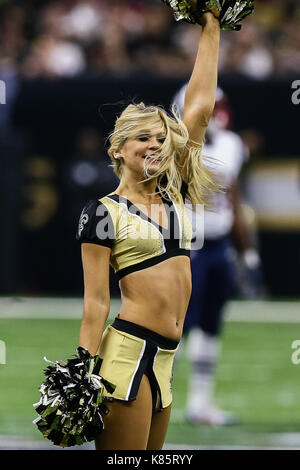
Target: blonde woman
x=142, y=230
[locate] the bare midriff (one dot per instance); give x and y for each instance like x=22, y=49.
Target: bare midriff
x=157, y=297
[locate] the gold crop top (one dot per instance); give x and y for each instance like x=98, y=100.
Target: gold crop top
x=136, y=241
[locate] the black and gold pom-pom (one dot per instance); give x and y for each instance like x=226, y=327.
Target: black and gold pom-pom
x=72, y=403
x=229, y=12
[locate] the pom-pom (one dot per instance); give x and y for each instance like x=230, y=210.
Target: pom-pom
x=229, y=12
x=72, y=402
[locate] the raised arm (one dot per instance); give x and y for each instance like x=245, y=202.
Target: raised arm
x=95, y=261
x=201, y=91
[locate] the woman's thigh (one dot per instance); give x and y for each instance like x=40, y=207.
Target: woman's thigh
x=158, y=429
x=127, y=425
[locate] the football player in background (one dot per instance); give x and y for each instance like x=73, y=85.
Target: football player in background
x=213, y=266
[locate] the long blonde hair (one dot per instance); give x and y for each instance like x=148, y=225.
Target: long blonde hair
x=201, y=181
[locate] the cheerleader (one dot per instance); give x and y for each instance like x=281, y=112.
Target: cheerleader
x=144, y=232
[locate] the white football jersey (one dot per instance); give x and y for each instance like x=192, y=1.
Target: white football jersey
x=229, y=152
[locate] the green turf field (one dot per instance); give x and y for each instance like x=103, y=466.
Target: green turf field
x=255, y=377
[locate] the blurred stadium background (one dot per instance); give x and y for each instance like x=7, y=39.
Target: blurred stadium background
x=69, y=67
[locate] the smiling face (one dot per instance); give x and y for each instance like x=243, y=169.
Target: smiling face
x=145, y=144
x=140, y=154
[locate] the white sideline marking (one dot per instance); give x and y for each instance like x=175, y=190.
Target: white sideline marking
x=263, y=311
x=287, y=439
x=256, y=311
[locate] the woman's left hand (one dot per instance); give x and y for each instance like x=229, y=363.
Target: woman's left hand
x=208, y=18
